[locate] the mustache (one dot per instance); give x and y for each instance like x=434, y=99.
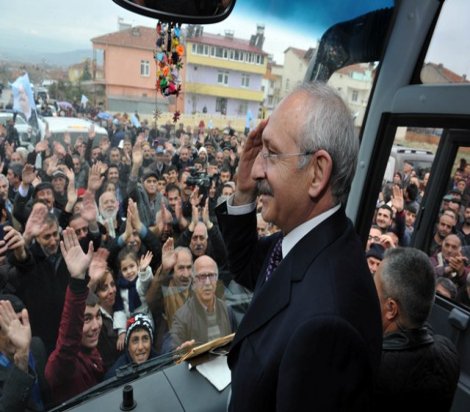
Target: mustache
x=263, y=188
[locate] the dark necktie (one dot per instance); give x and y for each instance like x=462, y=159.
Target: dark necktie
x=274, y=259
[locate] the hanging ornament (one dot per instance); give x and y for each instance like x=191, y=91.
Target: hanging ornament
x=168, y=58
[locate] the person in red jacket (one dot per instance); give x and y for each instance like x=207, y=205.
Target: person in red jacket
x=76, y=365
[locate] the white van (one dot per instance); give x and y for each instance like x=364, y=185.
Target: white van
x=76, y=127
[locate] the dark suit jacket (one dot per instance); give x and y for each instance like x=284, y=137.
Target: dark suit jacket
x=311, y=339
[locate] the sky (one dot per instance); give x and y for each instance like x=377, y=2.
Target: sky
x=43, y=26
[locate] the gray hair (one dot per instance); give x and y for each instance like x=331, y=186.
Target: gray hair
x=329, y=126
x=408, y=277
x=183, y=249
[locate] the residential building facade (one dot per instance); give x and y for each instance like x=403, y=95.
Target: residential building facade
x=272, y=86
x=223, y=73
x=124, y=63
x=295, y=66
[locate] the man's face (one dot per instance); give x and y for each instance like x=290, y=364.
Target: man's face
x=16, y=158
x=445, y=226
x=12, y=178
x=466, y=215
x=285, y=188
x=205, y=280
x=198, y=243
x=147, y=151
x=373, y=264
x=410, y=218
x=58, y=183
x=80, y=226
x=183, y=269
x=161, y=184
x=224, y=177
x=139, y=345
x=113, y=175
x=383, y=218
x=184, y=154
x=108, y=205
x=95, y=153
x=76, y=164
x=49, y=239
x=451, y=246
x=3, y=188
x=150, y=185
x=374, y=237
x=220, y=158
x=91, y=326
x=115, y=156
x=173, y=198
x=172, y=176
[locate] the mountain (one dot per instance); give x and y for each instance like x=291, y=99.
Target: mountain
x=63, y=59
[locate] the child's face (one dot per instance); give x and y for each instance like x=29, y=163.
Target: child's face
x=129, y=269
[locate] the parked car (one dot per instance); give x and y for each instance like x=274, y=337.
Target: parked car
x=76, y=127
x=28, y=134
x=421, y=160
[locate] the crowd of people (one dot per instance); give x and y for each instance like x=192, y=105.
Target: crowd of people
x=449, y=249
x=116, y=251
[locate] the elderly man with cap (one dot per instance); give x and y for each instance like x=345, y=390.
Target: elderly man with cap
x=138, y=343
x=22, y=360
x=146, y=194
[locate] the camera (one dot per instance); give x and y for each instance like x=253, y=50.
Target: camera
x=200, y=179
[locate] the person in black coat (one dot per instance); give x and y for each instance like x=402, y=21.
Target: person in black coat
x=311, y=338
x=419, y=370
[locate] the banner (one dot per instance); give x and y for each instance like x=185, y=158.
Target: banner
x=23, y=100
x=84, y=101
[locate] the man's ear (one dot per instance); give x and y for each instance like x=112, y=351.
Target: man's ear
x=321, y=167
x=391, y=309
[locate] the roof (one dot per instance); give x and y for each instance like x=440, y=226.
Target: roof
x=355, y=68
x=138, y=37
x=224, y=41
x=447, y=74
x=305, y=55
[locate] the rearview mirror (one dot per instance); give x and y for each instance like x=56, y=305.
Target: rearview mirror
x=181, y=11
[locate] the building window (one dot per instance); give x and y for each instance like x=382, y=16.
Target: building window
x=212, y=51
x=200, y=49
x=232, y=54
x=242, y=108
x=206, y=50
x=193, y=48
x=222, y=78
x=287, y=84
x=237, y=55
x=145, y=68
x=221, y=105
x=219, y=52
x=225, y=54
x=245, y=80
x=354, y=96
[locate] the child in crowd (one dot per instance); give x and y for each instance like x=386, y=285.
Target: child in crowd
x=133, y=282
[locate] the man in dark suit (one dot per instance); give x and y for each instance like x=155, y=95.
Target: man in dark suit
x=311, y=339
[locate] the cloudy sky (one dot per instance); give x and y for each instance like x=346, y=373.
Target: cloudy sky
x=43, y=26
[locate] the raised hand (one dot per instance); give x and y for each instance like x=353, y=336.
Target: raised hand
x=246, y=185
x=168, y=254
x=98, y=265
x=137, y=155
x=28, y=174
x=18, y=331
x=95, y=180
x=205, y=215
x=145, y=261
x=15, y=241
x=89, y=210
x=397, y=198
x=135, y=217
x=35, y=222
x=77, y=262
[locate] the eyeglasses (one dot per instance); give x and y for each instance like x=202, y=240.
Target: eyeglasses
x=375, y=238
x=203, y=277
x=276, y=156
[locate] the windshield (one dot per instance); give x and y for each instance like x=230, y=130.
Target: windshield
x=155, y=152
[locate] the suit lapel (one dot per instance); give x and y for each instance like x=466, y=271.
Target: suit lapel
x=273, y=296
